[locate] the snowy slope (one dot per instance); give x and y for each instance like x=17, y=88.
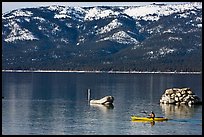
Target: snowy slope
x=152, y=12
x=77, y=35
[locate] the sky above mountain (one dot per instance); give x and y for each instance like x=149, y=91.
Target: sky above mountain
x=8, y=6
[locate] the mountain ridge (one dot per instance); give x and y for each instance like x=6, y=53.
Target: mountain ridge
x=104, y=38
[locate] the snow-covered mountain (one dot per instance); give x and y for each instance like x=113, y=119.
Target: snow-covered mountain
x=104, y=37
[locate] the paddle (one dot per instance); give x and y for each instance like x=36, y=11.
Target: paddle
x=145, y=112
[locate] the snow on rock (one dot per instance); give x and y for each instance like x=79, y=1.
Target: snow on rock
x=68, y=12
x=18, y=13
x=17, y=33
x=39, y=18
x=112, y=25
x=27, y=19
x=199, y=19
x=168, y=31
x=55, y=29
x=153, y=12
x=175, y=38
x=161, y=52
x=155, y=29
x=64, y=40
x=199, y=25
x=121, y=37
x=97, y=13
x=184, y=15
x=59, y=16
x=164, y=51
x=62, y=12
x=55, y=8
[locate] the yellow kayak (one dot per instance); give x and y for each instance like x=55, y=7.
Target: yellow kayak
x=138, y=118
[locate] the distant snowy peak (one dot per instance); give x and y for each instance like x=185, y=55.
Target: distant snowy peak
x=153, y=12
x=17, y=13
x=96, y=13
x=121, y=26
x=62, y=12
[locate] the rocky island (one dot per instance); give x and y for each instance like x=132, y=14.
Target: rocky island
x=180, y=96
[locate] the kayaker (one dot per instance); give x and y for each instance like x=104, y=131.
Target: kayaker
x=152, y=115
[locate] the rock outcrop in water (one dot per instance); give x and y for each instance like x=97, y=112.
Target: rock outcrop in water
x=104, y=101
x=179, y=96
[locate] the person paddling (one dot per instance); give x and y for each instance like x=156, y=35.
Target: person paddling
x=152, y=115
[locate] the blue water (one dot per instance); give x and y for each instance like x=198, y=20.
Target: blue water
x=56, y=103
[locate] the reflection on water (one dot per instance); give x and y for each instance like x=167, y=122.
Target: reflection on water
x=151, y=123
x=103, y=108
x=179, y=111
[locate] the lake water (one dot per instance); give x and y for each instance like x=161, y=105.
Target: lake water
x=56, y=103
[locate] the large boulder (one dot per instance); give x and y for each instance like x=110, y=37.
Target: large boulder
x=104, y=100
x=180, y=96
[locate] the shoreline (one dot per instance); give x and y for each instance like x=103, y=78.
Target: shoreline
x=114, y=72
